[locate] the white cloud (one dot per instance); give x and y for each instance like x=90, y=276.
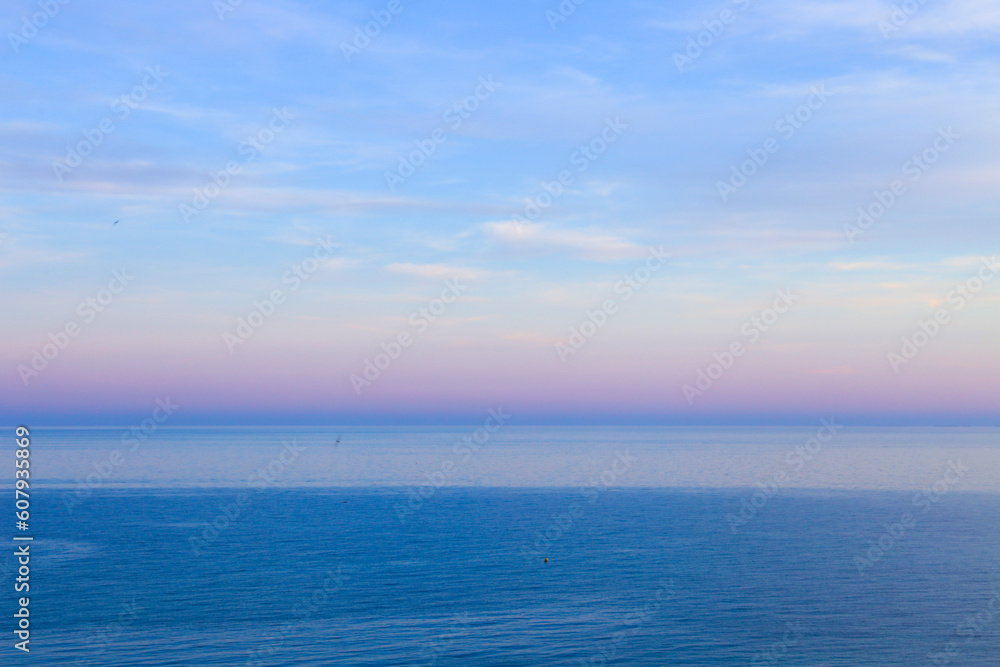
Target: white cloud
x=956, y=17
x=339, y=263
x=914, y=52
x=869, y=265
x=18, y=255
x=587, y=244
x=942, y=17
x=438, y=271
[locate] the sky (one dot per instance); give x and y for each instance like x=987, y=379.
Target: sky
x=394, y=212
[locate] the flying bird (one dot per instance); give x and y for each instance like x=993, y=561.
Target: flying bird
x=115, y=223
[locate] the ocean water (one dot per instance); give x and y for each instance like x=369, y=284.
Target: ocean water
x=514, y=456
x=401, y=563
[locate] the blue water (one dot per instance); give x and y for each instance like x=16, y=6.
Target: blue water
x=858, y=458
x=636, y=577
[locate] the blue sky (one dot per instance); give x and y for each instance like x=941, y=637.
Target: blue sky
x=347, y=122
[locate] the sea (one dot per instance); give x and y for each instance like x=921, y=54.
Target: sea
x=826, y=545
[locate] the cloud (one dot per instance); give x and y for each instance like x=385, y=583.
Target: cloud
x=437, y=271
x=299, y=237
x=965, y=261
x=928, y=267
x=958, y=17
x=869, y=265
x=954, y=17
x=914, y=52
x=339, y=263
x=18, y=255
x=752, y=239
x=586, y=244
x=846, y=13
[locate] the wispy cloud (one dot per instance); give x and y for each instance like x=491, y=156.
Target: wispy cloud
x=589, y=244
x=437, y=271
x=869, y=266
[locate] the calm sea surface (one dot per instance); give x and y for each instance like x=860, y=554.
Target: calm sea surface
x=376, y=551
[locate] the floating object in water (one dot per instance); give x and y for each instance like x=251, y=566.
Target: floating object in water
x=546, y=560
